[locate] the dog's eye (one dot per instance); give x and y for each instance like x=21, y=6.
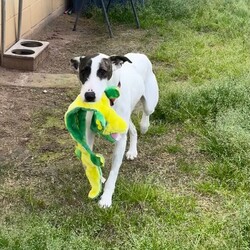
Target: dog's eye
x=84, y=74
x=102, y=73
x=86, y=69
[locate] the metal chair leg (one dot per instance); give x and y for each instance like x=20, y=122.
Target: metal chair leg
x=135, y=14
x=107, y=8
x=77, y=16
x=106, y=19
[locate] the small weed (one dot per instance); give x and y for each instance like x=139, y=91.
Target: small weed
x=208, y=187
x=54, y=122
x=157, y=129
x=189, y=168
x=30, y=200
x=137, y=192
x=174, y=149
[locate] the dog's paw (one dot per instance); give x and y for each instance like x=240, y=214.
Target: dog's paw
x=144, y=129
x=131, y=155
x=105, y=202
x=144, y=125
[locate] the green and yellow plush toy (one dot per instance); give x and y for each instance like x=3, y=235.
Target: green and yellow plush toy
x=105, y=121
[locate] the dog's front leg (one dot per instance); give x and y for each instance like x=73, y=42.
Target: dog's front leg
x=106, y=198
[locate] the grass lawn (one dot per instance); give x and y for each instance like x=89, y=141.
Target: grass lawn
x=189, y=189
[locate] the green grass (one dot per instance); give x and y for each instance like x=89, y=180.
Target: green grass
x=190, y=188
x=148, y=217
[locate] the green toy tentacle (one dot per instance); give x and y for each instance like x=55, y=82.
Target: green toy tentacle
x=76, y=125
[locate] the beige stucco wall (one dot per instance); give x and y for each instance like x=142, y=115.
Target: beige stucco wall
x=35, y=14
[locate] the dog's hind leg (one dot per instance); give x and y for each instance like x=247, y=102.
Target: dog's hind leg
x=132, y=152
x=151, y=95
x=149, y=101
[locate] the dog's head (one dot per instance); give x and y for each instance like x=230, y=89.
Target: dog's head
x=94, y=73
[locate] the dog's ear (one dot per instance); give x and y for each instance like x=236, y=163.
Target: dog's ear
x=75, y=63
x=119, y=60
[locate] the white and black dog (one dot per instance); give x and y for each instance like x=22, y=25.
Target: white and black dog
x=133, y=74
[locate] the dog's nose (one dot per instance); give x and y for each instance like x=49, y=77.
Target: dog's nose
x=90, y=96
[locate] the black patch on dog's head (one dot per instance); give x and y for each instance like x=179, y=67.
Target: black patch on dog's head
x=105, y=69
x=85, y=67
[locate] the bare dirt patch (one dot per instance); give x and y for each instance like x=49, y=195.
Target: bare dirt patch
x=89, y=38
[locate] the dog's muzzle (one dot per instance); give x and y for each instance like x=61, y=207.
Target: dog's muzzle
x=90, y=96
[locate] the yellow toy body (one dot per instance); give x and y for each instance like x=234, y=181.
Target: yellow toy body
x=105, y=122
